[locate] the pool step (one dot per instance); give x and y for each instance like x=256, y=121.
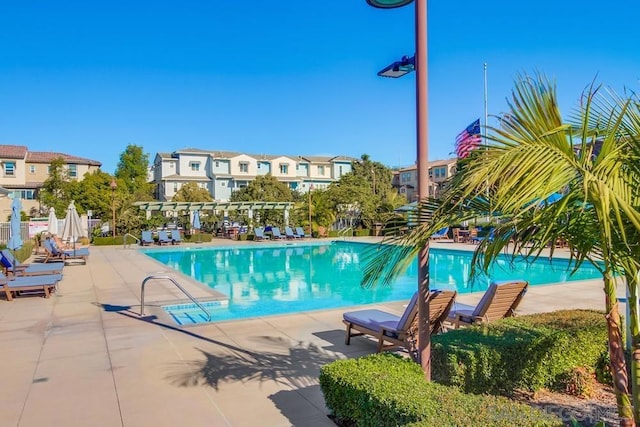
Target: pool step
x=191, y=314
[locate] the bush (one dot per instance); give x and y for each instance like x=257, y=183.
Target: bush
x=110, y=241
x=24, y=252
x=528, y=352
x=388, y=390
x=362, y=233
x=332, y=233
x=579, y=382
x=199, y=237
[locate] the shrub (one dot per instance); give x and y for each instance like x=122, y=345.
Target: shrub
x=332, y=233
x=388, y=390
x=199, y=237
x=528, y=352
x=24, y=252
x=579, y=382
x=362, y=233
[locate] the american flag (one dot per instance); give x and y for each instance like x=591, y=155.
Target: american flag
x=468, y=140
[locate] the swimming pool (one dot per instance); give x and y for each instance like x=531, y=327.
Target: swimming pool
x=267, y=279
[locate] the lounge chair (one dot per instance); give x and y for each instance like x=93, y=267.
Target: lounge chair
x=176, y=239
x=443, y=233
x=163, y=238
x=300, y=232
x=288, y=232
x=55, y=253
x=12, y=266
x=477, y=239
x=399, y=330
x=47, y=284
x=147, y=238
x=498, y=302
x=275, y=231
x=259, y=232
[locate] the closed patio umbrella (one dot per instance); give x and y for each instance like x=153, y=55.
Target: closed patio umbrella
x=72, y=227
x=15, y=240
x=53, y=222
x=196, y=222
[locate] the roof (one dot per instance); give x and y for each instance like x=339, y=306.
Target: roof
x=13, y=151
x=48, y=157
x=211, y=206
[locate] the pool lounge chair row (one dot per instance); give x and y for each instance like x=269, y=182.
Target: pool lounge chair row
x=277, y=235
x=55, y=253
x=499, y=301
x=163, y=238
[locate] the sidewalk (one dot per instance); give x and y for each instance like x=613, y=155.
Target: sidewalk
x=84, y=357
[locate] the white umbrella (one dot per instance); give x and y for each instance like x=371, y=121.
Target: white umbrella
x=72, y=227
x=53, y=222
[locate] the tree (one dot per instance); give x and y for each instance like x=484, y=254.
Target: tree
x=265, y=188
x=133, y=169
x=55, y=189
x=94, y=193
x=591, y=162
x=192, y=192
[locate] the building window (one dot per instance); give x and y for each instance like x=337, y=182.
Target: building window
x=195, y=166
x=24, y=194
x=284, y=168
x=340, y=170
x=217, y=163
x=72, y=171
x=406, y=176
x=441, y=172
x=222, y=184
x=244, y=167
x=321, y=170
x=172, y=165
x=32, y=169
x=175, y=187
x=9, y=168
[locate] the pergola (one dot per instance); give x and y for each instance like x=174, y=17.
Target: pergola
x=191, y=207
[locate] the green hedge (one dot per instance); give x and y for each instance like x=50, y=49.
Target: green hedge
x=119, y=240
x=24, y=252
x=528, y=352
x=387, y=390
x=362, y=233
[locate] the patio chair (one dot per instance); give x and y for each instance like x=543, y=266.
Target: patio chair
x=46, y=284
x=146, y=238
x=12, y=266
x=288, y=232
x=300, y=232
x=259, y=232
x=399, y=330
x=275, y=231
x=498, y=302
x=55, y=253
x=443, y=233
x=478, y=239
x=163, y=238
x=176, y=239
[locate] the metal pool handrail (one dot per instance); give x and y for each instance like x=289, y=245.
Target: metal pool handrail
x=124, y=239
x=178, y=285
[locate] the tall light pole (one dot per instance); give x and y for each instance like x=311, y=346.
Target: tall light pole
x=113, y=186
x=419, y=62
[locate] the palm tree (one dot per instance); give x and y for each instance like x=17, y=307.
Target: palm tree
x=591, y=163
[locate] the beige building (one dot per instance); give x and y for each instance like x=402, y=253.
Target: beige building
x=22, y=173
x=405, y=180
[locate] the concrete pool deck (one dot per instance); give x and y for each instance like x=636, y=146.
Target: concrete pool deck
x=84, y=357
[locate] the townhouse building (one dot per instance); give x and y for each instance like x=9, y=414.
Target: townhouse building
x=23, y=172
x=223, y=172
x=405, y=180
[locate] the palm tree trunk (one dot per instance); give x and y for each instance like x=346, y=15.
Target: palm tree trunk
x=632, y=304
x=616, y=353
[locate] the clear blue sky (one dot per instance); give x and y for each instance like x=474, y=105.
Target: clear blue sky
x=288, y=77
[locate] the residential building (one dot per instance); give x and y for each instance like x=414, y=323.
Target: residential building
x=23, y=173
x=223, y=172
x=405, y=180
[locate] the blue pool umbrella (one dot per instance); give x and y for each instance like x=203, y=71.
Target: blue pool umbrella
x=15, y=241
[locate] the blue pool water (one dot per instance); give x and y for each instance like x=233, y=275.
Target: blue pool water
x=268, y=279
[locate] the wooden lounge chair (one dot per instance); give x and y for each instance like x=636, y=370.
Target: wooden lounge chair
x=498, y=302
x=275, y=231
x=399, y=330
x=54, y=253
x=443, y=233
x=259, y=233
x=13, y=267
x=46, y=284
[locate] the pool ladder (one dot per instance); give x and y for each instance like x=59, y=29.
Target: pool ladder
x=178, y=285
x=344, y=233
x=125, y=241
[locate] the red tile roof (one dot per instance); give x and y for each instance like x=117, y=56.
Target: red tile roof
x=13, y=151
x=48, y=157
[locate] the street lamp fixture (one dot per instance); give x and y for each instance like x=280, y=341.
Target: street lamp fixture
x=113, y=186
x=399, y=68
